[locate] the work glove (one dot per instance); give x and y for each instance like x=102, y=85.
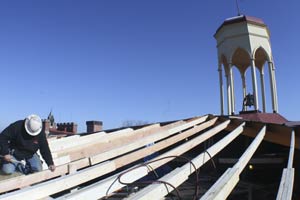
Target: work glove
x=52, y=168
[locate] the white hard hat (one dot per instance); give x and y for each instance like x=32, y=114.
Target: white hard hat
x=33, y=125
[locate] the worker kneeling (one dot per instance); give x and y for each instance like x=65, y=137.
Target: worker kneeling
x=19, y=143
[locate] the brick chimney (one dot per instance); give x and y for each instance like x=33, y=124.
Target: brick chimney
x=67, y=127
x=93, y=126
x=46, y=125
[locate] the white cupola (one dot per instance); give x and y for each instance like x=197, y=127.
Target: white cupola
x=244, y=42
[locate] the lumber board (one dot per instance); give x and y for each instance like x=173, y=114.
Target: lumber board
x=57, y=144
x=53, y=186
x=22, y=181
x=26, y=180
x=81, y=141
x=56, y=141
x=119, y=162
x=99, y=146
x=244, y=159
x=100, y=189
x=105, y=187
x=178, y=176
x=225, y=184
x=285, y=191
x=40, y=186
x=58, y=161
x=142, y=142
x=292, y=149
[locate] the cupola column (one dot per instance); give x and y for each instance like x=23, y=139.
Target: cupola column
x=221, y=89
x=254, y=84
x=273, y=87
x=228, y=94
x=244, y=89
x=232, y=89
x=263, y=92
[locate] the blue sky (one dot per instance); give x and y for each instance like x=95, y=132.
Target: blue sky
x=121, y=60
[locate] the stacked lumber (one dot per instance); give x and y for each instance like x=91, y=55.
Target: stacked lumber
x=99, y=165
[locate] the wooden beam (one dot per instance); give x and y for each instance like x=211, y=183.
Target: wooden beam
x=53, y=186
x=162, y=144
x=54, y=142
x=140, y=143
x=225, y=184
x=285, y=191
x=102, y=186
x=83, y=140
x=98, y=146
x=244, y=159
x=292, y=150
x=23, y=181
x=64, y=169
x=71, y=180
x=58, y=161
x=179, y=175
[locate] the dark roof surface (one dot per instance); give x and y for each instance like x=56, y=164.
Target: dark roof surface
x=273, y=118
x=242, y=18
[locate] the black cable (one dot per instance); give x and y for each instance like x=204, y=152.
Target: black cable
x=212, y=160
x=147, y=164
x=149, y=182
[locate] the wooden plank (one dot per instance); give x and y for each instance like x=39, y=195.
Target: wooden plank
x=107, y=186
x=58, y=161
x=57, y=143
x=225, y=184
x=53, y=186
x=244, y=159
x=22, y=181
x=119, y=162
x=98, y=146
x=178, y=176
x=292, y=149
x=81, y=141
x=142, y=142
x=25, y=180
x=40, y=176
x=194, y=122
x=100, y=189
x=285, y=191
x=66, y=181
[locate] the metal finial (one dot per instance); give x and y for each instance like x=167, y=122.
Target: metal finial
x=237, y=7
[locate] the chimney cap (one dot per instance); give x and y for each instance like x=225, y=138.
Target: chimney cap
x=94, y=122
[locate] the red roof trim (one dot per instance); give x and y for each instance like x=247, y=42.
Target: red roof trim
x=242, y=18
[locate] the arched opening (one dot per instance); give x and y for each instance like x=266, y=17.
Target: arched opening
x=261, y=57
x=238, y=88
x=241, y=60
